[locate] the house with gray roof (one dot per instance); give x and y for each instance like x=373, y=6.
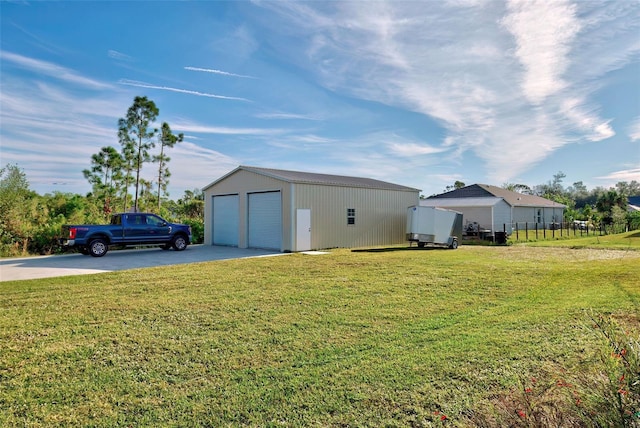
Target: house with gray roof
x=494, y=209
x=252, y=207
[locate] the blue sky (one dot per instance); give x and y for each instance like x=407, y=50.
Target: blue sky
x=415, y=93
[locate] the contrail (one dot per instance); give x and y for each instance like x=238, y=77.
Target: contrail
x=223, y=73
x=183, y=91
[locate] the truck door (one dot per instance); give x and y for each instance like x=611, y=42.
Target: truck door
x=157, y=229
x=135, y=228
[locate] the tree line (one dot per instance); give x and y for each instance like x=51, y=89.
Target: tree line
x=31, y=223
x=600, y=205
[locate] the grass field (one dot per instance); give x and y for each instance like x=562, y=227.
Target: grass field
x=480, y=336
x=623, y=241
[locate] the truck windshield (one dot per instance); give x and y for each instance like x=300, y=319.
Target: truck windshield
x=116, y=220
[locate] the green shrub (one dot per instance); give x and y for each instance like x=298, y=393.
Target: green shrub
x=197, y=230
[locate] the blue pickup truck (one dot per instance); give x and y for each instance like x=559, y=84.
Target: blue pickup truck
x=126, y=229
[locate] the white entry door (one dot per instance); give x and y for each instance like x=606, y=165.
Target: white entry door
x=303, y=229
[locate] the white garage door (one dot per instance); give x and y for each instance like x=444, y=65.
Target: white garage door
x=225, y=220
x=265, y=220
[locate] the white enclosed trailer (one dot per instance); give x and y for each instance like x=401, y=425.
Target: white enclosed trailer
x=431, y=225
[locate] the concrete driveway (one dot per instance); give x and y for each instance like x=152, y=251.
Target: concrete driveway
x=78, y=264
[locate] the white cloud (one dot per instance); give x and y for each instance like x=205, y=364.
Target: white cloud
x=634, y=130
x=412, y=149
x=623, y=175
x=286, y=116
x=312, y=139
x=119, y=56
x=51, y=132
x=51, y=70
x=543, y=31
x=512, y=82
x=193, y=167
x=182, y=125
x=37, y=113
x=239, y=43
x=593, y=128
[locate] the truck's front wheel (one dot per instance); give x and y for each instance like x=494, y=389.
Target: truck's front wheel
x=98, y=247
x=179, y=243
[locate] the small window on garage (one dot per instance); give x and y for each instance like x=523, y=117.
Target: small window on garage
x=351, y=216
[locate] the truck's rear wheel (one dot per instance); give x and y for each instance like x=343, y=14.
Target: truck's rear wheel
x=98, y=247
x=179, y=243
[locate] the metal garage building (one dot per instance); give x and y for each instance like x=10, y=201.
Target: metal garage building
x=254, y=207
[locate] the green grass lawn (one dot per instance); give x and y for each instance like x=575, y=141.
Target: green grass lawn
x=396, y=337
x=622, y=241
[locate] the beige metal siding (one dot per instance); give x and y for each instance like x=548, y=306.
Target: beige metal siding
x=381, y=215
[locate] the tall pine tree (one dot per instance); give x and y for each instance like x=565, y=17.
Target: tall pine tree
x=167, y=139
x=136, y=136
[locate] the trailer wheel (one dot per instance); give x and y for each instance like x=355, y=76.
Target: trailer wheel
x=98, y=247
x=421, y=244
x=454, y=244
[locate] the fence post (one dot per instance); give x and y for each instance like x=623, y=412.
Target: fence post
x=517, y=235
x=526, y=228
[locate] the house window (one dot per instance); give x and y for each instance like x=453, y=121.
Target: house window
x=539, y=215
x=351, y=216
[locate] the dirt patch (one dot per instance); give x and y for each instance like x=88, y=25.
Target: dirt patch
x=523, y=252
x=630, y=322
